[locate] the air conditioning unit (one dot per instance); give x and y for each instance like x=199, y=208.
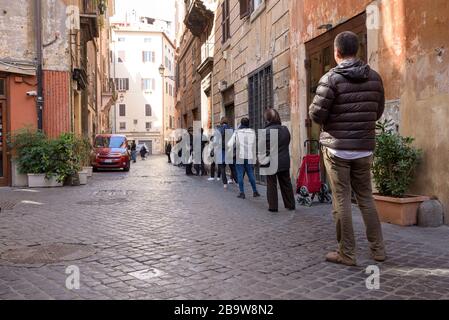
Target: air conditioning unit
x=225, y=55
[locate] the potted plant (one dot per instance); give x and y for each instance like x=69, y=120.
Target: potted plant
x=68, y=160
x=33, y=152
x=395, y=160
x=84, y=150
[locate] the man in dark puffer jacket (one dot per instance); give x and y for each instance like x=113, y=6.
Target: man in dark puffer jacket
x=349, y=100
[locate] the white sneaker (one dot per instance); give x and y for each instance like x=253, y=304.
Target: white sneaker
x=230, y=181
x=225, y=186
x=218, y=179
x=211, y=179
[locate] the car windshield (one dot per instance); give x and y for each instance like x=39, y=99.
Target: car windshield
x=110, y=142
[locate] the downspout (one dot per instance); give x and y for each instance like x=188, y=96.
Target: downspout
x=39, y=73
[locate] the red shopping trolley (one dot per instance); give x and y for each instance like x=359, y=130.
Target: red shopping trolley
x=311, y=181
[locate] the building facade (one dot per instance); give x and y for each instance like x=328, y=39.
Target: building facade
x=406, y=42
x=50, y=69
x=195, y=63
x=143, y=66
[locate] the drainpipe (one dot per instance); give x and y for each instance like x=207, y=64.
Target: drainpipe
x=39, y=74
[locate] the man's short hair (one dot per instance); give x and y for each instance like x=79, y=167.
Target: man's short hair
x=272, y=116
x=224, y=120
x=244, y=122
x=347, y=44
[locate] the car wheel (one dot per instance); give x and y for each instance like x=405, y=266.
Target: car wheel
x=95, y=169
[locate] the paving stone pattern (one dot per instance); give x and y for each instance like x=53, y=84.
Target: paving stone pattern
x=158, y=234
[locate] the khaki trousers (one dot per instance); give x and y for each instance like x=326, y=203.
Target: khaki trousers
x=355, y=174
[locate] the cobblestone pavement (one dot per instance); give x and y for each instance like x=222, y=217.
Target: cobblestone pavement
x=204, y=242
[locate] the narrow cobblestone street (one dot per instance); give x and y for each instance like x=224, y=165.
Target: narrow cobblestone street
x=204, y=243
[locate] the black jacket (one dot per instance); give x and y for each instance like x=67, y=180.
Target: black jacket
x=349, y=100
x=283, y=145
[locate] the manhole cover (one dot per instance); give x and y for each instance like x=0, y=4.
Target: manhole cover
x=49, y=253
x=147, y=274
x=7, y=205
x=114, y=193
x=103, y=202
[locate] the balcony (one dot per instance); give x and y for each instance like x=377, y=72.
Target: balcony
x=198, y=17
x=207, y=59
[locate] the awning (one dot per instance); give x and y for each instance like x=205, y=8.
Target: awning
x=17, y=69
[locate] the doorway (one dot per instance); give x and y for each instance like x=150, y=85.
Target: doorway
x=320, y=59
x=4, y=176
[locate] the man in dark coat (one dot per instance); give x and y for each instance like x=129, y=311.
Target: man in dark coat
x=349, y=100
x=282, y=154
x=168, y=151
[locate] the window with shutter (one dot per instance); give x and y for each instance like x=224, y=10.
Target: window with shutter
x=245, y=8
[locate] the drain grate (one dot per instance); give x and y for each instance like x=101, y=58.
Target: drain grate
x=49, y=253
x=7, y=205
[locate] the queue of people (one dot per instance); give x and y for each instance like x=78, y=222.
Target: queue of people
x=349, y=100
x=236, y=150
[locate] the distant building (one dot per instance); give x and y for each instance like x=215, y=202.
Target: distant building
x=140, y=50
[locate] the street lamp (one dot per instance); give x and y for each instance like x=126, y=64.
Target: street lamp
x=162, y=73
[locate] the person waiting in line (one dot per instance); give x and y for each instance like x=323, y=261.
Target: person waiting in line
x=168, y=151
x=143, y=152
x=189, y=148
x=213, y=167
x=244, y=141
x=200, y=168
x=224, y=126
x=133, y=152
x=273, y=124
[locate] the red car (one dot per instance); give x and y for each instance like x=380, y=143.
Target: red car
x=111, y=152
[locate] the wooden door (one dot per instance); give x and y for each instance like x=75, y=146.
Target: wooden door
x=320, y=59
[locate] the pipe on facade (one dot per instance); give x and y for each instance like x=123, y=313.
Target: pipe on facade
x=39, y=54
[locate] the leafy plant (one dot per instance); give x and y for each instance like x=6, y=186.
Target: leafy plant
x=37, y=154
x=30, y=150
x=395, y=160
x=83, y=148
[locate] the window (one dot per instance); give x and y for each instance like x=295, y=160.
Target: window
x=177, y=76
x=166, y=88
x=2, y=88
x=148, y=56
x=184, y=74
x=121, y=39
x=147, y=40
x=148, y=111
x=148, y=125
x=249, y=6
x=121, y=56
x=193, y=54
x=225, y=21
x=122, y=110
x=122, y=125
x=260, y=95
x=136, y=121
x=170, y=90
x=148, y=84
x=122, y=84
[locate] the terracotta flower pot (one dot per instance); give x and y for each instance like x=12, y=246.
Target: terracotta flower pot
x=399, y=211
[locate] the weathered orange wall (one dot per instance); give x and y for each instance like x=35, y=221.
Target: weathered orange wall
x=56, y=119
x=22, y=108
x=412, y=56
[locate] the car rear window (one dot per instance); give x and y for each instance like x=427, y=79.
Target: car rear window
x=110, y=142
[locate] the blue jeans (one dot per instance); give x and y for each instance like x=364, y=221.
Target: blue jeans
x=249, y=170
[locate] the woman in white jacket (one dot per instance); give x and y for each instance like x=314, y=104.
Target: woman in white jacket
x=244, y=140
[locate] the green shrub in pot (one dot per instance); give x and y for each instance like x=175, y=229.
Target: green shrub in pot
x=395, y=160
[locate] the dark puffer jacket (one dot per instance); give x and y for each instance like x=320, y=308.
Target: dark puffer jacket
x=349, y=100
